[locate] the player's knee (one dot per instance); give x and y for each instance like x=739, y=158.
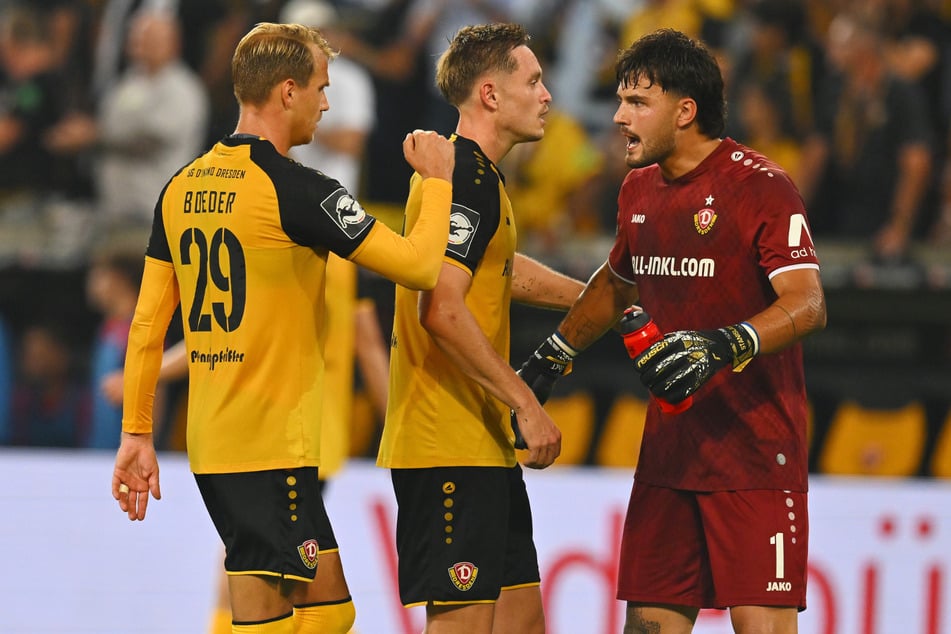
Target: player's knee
x=325, y=618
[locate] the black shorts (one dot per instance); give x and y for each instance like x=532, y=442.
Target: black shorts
x=463, y=534
x=271, y=522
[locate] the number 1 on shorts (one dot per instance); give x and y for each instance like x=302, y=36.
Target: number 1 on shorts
x=777, y=540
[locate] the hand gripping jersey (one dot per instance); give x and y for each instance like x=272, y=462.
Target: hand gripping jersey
x=436, y=416
x=702, y=250
x=246, y=233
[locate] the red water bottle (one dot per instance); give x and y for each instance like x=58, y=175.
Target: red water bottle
x=639, y=332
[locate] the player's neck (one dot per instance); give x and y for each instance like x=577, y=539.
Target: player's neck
x=494, y=145
x=258, y=123
x=690, y=153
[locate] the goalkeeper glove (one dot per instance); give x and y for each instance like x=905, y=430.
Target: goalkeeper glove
x=676, y=366
x=551, y=360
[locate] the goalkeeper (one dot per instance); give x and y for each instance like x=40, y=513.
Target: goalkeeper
x=713, y=239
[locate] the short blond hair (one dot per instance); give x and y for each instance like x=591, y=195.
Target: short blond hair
x=270, y=53
x=476, y=50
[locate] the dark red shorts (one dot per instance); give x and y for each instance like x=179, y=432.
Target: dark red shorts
x=714, y=550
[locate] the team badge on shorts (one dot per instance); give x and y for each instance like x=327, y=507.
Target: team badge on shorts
x=463, y=575
x=308, y=553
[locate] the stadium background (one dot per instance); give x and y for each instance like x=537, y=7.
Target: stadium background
x=879, y=376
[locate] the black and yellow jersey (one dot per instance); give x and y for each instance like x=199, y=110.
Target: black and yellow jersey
x=244, y=234
x=436, y=415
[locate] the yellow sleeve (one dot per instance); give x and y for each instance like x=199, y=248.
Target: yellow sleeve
x=158, y=298
x=413, y=261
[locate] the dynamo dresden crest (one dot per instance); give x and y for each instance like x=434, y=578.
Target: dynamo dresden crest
x=463, y=575
x=308, y=553
x=704, y=220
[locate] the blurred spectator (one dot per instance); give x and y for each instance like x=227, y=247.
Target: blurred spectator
x=112, y=288
x=917, y=46
x=31, y=102
x=340, y=141
x=696, y=18
x=585, y=47
x=549, y=182
x=381, y=40
x=781, y=57
x=50, y=403
x=761, y=115
x=867, y=169
x=210, y=30
x=150, y=123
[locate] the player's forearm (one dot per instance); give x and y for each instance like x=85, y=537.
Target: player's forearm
x=174, y=363
x=799, y=310
x=535, y=284
x=457, y=334
x=913, y=179
x=413, y=261
x=597, y=309
x=158, y=299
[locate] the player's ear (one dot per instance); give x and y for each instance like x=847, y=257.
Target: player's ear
x=686, y=112
x=288, y=91
x=488, y=95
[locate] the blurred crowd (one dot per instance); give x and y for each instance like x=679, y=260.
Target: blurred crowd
x=101, y=101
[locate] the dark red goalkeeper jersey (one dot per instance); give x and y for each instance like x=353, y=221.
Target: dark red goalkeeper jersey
x=702, y=250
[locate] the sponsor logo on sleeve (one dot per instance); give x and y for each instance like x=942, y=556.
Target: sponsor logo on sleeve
x=799, y=238
x=346, y=212
x=463, y=225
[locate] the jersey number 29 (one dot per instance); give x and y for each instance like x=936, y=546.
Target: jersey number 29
x=229, y=279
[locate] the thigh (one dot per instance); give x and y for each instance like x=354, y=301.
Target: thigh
x=273, y=523
x=519, y=611
x=451, y=532
x=753, y=619
x=329, y=585
x=663, y=559
x=758, y=544
x=642, y=619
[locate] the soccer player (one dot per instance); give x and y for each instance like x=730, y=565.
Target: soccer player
x=241, y=237
x=713, y=240
x=464, y=525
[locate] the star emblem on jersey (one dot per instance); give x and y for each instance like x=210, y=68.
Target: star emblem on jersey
x=704, y=219
x=308, y=553
x=463, y=574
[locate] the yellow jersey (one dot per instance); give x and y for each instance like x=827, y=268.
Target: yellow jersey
x=242, y=234
x=436, y=416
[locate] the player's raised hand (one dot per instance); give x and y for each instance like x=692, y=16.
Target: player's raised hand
x=430, y=154
x=676, y=366
x=136, y=475
x=542, y=436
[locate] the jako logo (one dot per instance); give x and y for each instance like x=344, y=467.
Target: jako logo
x=779, y=586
